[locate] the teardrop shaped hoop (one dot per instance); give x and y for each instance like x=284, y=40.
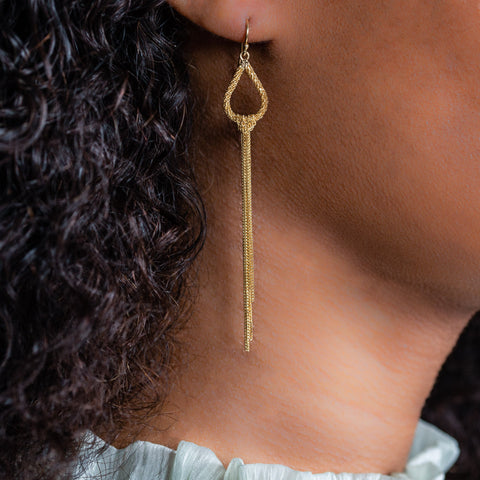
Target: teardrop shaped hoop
x=245, y=121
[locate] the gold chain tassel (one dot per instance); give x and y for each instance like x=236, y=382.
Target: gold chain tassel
x=245, y=124
x=247, y=234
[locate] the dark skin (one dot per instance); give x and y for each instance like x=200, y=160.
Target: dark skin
x=366, y=229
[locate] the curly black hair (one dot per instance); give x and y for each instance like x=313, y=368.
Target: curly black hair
x=100, y=219
x=454, y=402
x=100, y=222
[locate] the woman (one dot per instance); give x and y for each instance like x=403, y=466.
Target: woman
x=122, y=315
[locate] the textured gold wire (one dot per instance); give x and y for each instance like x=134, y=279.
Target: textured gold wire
x=245, y=124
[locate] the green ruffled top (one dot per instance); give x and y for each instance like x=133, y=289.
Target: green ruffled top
x=432, y=454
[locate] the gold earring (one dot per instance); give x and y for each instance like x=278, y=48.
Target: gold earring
x=245, y=124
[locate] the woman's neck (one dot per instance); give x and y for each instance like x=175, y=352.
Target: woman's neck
x=341, y=361
x=340, y=365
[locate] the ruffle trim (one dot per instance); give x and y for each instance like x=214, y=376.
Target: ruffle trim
x=432, y=454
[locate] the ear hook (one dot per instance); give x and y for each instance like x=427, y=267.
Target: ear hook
x=244, y=55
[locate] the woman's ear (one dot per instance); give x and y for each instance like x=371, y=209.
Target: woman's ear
x=226, y=18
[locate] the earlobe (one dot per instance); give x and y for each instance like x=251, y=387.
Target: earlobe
x=226, y=18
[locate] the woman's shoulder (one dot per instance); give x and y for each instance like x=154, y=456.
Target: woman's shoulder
x=432, y=454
